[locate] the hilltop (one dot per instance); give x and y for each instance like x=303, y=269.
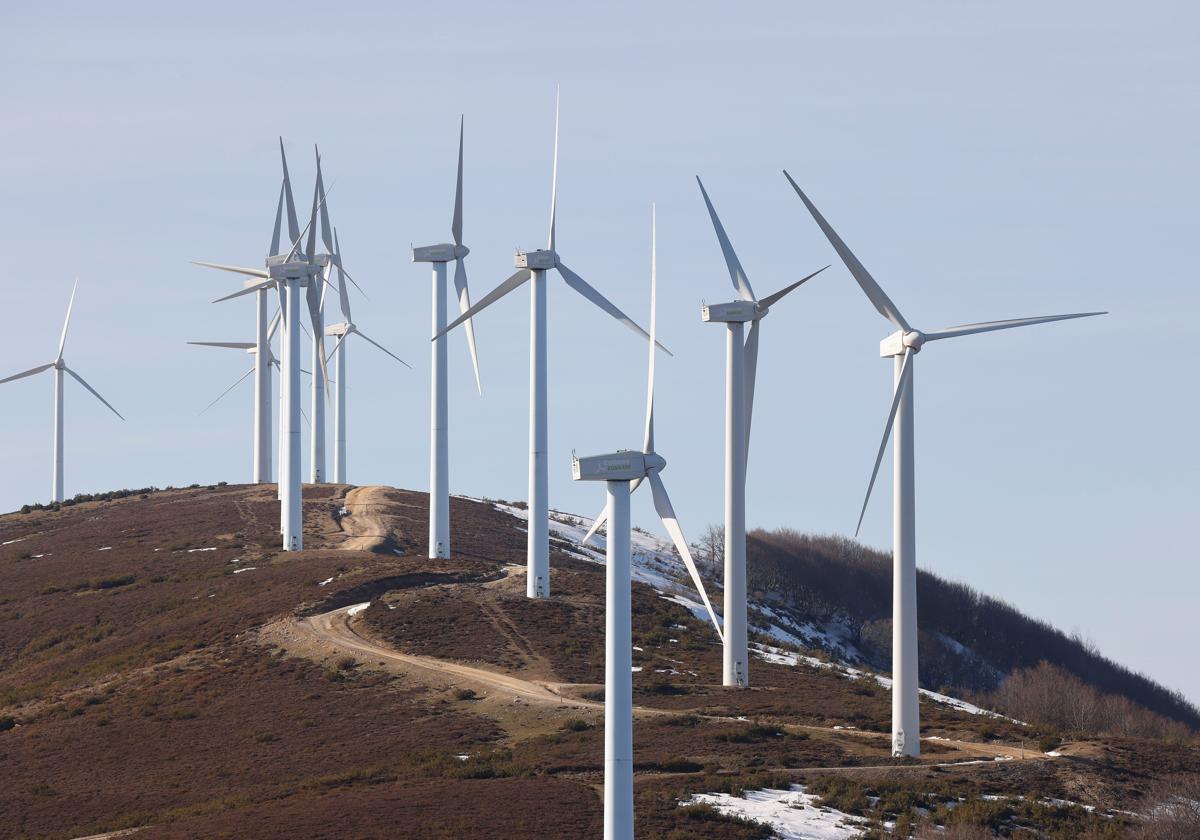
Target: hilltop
x=165, y=667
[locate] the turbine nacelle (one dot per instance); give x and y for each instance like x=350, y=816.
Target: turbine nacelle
x=734, y=311
x=294, y=270
x=900, y=341
x=538, y=260
x=443, y=252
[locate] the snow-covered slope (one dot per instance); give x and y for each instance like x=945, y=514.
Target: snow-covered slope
x=656, y=564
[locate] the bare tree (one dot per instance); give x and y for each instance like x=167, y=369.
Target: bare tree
x=1172, y=810
x=710, y=551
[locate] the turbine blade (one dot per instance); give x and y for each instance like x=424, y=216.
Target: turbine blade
x=232, y=345
x=990, y=326
x=749, y=371
x=239, y=381
x=278, y=230
x=736, y=273
x=554, y=177
x=293, y=225
x=326, y=229
x=249, y=272
x=343, y=292
x=456, y=224
x=308, y=225
x=876, y=295
x=662, y=504
x=266, y=284
x=25, y=373
x=580, y=285
x=771, y=300
x=318, y=202
x=518, y=277
x=648, y=439
x=597, y=523
x=365, y=337
x=464, y=305
x=62, y=342
x=901, y=386
x=274, y=323
x=95, y=393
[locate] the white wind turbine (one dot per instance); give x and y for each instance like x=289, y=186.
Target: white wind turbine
x=741, y=363
x=622, y=472
x=439, y=445
x=288, y=273
x=902, y=346
x=341, y=331
x=533, y=266
x=60, y=367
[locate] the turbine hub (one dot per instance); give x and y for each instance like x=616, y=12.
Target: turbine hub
x=899, y=342
x=654, y=461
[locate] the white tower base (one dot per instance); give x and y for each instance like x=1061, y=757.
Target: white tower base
x=439, y=451
x=537, y=584
x=293, y=534
x=906, y=723
x=56, y=488
x=618, y=670
x=736, y=660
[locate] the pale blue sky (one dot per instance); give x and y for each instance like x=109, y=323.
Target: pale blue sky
x=984, y=161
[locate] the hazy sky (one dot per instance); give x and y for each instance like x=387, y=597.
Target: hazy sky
x=984, y=161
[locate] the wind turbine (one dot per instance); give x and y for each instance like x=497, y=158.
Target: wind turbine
x=741, y=363
x=341, y=332
x=622, y=472
x=902, y=346
x=60, y=367
x=533, y=266
x=288, y=273
x=439, y=445
x=262, y=453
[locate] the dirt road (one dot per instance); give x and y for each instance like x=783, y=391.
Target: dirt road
x=366, y=523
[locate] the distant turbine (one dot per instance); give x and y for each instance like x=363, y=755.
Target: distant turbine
x=741, y=363
x=619, y=470
x=260, y=421
x=341, y=332
x=59, y=365
x=902, y=346
x=534, y=265
x=439, y=446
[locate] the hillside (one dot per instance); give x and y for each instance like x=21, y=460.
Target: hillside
x=165, y=668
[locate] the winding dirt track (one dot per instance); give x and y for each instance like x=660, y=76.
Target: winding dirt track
x=336, y=628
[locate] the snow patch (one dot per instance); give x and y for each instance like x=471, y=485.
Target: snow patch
x=194, y=550
x=244, y=569
x=357, y=608
x=17, y=540
x=325, y=582
x=105, y=548
x=791, y=814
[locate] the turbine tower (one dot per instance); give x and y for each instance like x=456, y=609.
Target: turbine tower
x=622, y=472
x=340, y=332
x=60, y=367
x=902, y=346
x=439, y=445
x=533, y=266
x=741, y=363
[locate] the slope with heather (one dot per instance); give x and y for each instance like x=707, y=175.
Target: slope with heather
x=165, y=668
